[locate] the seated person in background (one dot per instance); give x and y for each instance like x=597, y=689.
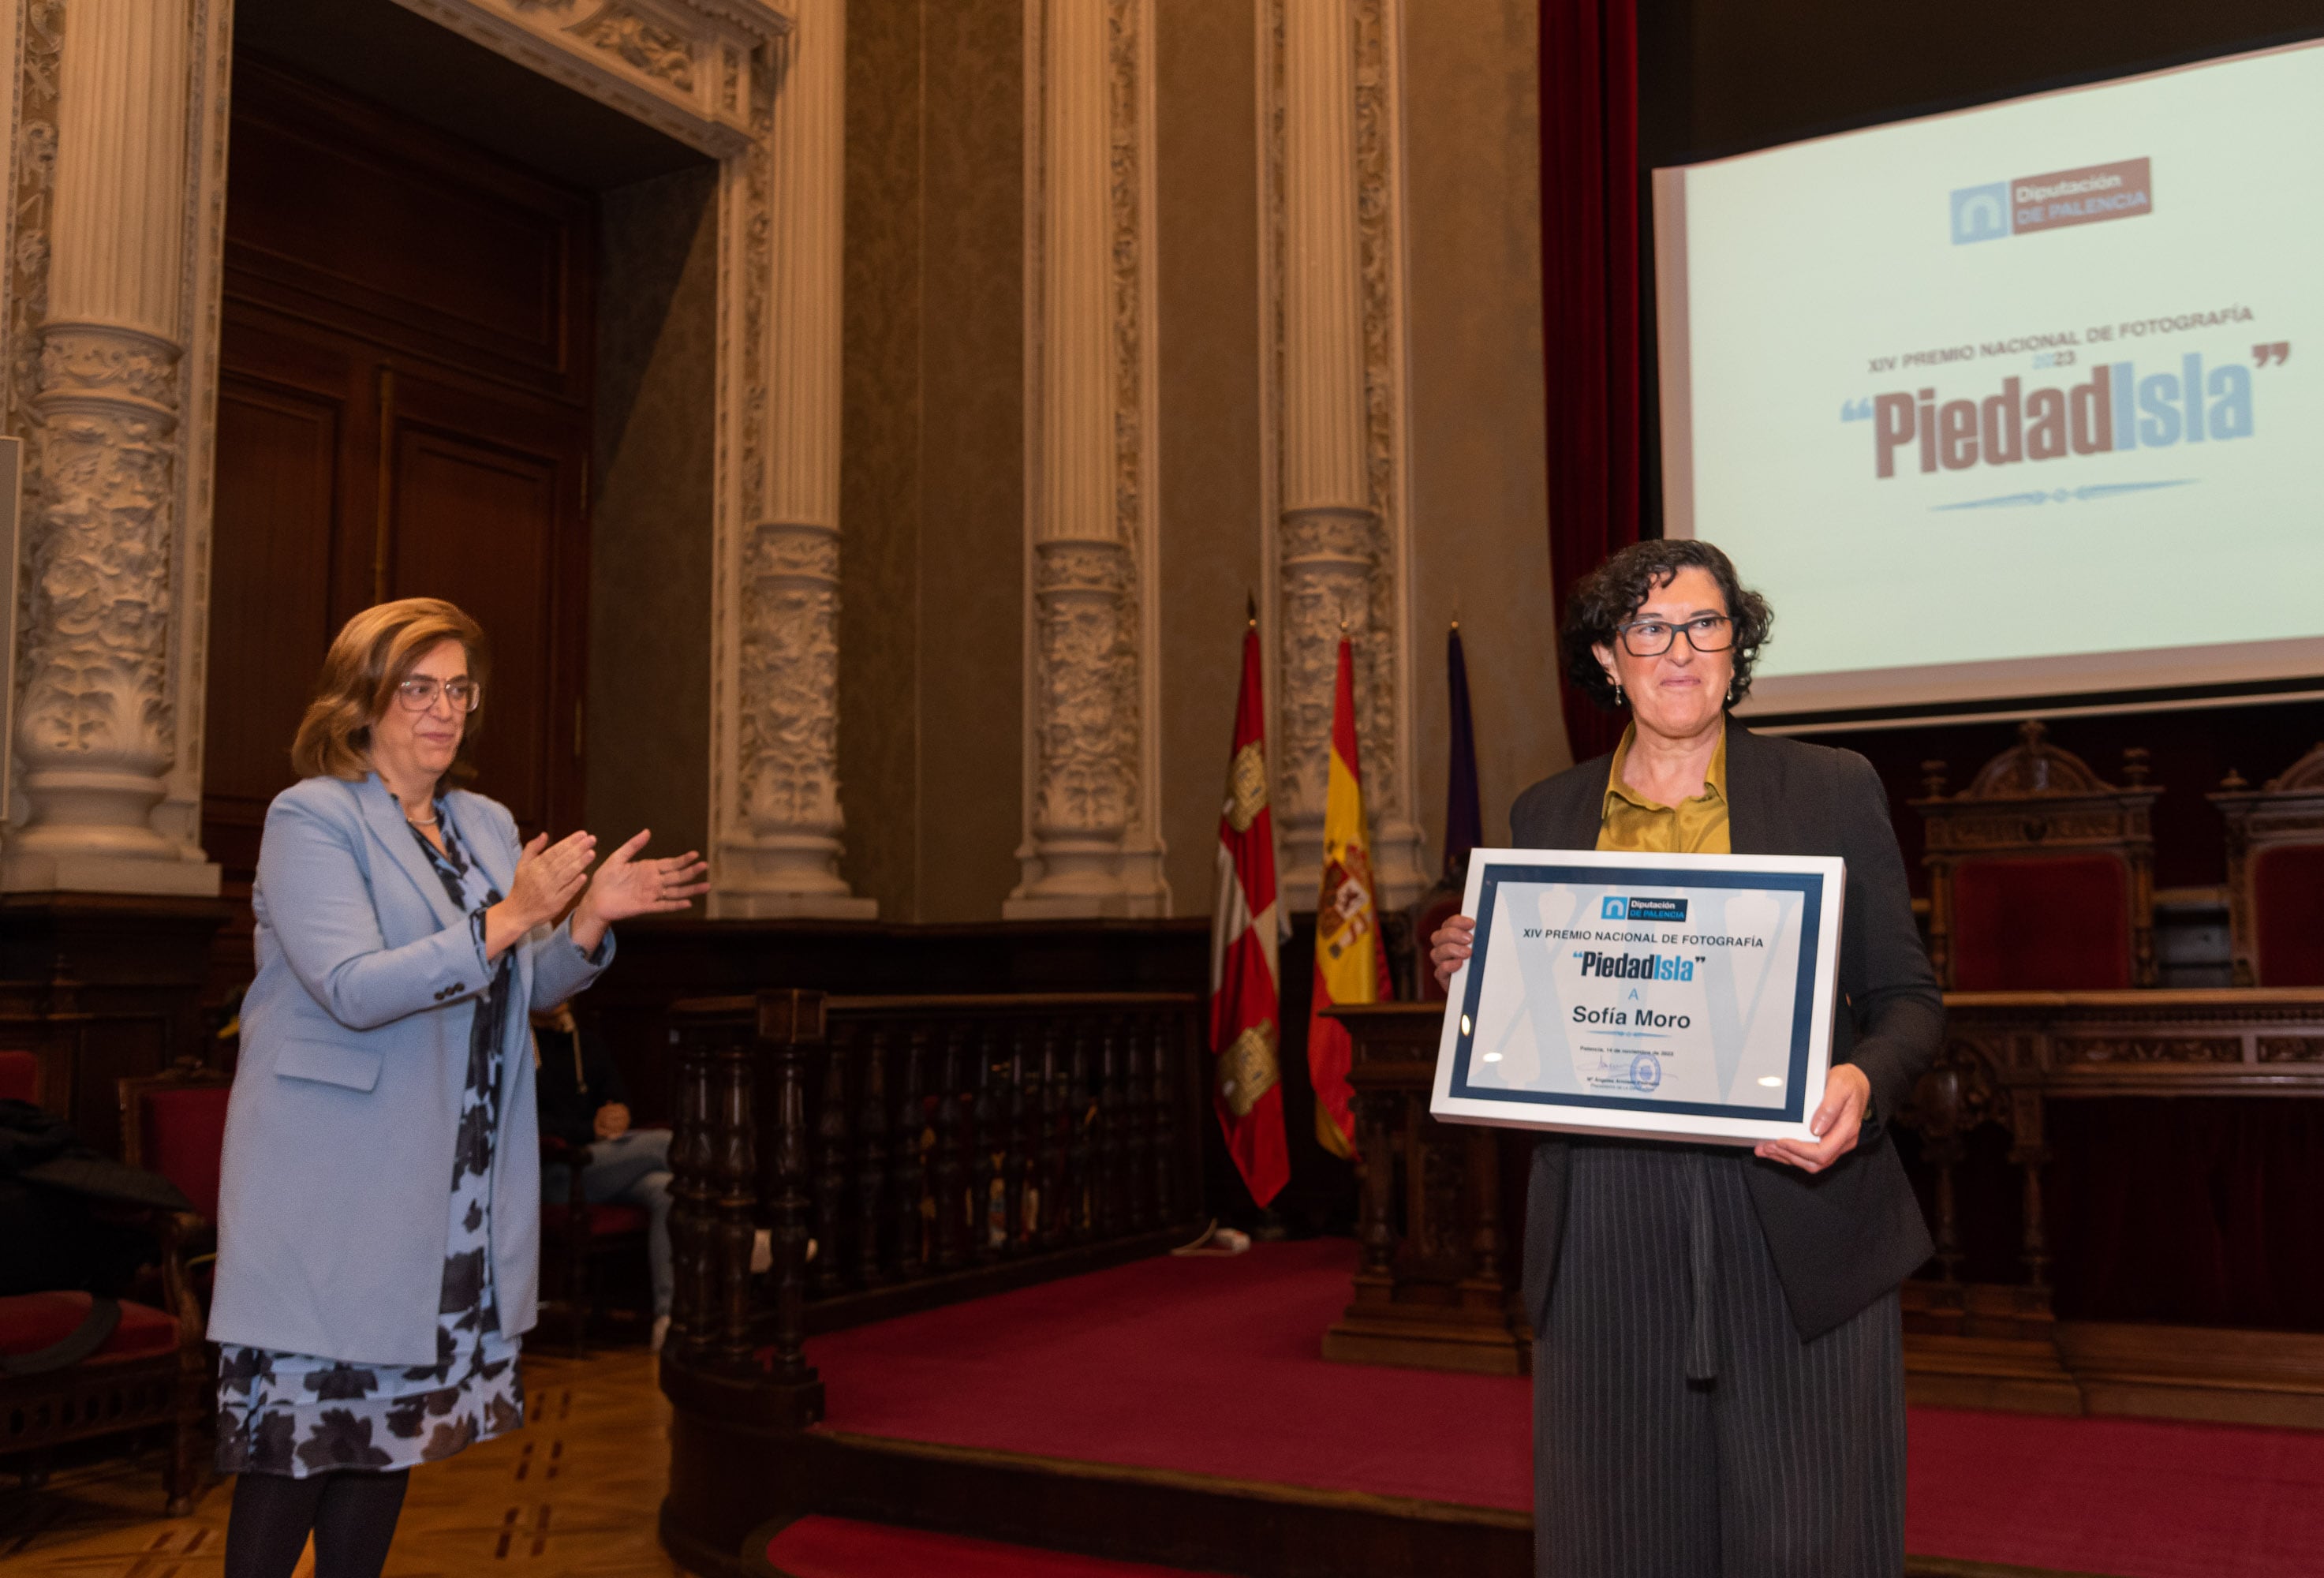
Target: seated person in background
x=580, y=1095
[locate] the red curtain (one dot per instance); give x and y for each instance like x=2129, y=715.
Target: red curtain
x=1590, y=301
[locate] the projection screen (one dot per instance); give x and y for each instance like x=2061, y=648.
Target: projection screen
x=2017, y=401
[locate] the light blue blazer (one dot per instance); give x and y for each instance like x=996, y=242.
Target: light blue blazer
x=336, y=1188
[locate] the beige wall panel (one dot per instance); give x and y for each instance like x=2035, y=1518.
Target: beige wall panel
x=1212, y=512
x=880, y=439
x=1480, y=514
x=932, y=463
x=973, y=504
x=647, y=737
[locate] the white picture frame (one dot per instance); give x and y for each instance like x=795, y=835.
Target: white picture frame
x=1648, y=996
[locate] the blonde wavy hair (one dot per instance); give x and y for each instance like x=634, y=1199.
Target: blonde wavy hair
x=374, y=653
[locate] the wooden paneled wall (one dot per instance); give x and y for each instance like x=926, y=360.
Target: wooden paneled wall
x=100, y=986
x=403, y=409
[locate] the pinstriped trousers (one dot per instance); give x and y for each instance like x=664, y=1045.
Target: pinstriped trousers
x=1681, y=1429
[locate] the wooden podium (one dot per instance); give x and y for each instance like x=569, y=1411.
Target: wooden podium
x=1437, y=1285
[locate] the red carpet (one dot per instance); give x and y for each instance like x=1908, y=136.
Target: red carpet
x=2137, y=1498
x=1207, y=1366
x=837, y=1547
x=1213, y=1366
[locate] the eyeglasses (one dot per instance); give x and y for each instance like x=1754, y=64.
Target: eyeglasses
x=1651, y=638
x=419, y=693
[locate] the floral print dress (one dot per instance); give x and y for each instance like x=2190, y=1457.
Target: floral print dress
x=294, y=1413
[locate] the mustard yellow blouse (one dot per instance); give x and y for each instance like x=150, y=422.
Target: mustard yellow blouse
x=1630, y=821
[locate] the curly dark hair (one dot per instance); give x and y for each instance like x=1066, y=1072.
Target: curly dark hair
x=1612, y=593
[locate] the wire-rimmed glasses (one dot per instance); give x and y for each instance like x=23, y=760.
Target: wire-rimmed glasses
x=419, y=693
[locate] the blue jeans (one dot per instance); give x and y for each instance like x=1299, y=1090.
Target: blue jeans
x=629, y=1169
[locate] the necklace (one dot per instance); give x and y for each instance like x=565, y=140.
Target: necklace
x=415, y=822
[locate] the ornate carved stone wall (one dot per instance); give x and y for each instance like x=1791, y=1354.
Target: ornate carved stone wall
x=114, y=277
x=1092, y=842
x=36, y=30
x=684, y=67
x=116, y=229
x=762, y=87
x=774, y=816
x=1330, y=84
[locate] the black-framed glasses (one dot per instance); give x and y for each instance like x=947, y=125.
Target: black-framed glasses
x=419, y=693
x=1651, y=638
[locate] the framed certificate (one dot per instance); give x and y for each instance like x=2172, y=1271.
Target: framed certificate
x=1673, y=997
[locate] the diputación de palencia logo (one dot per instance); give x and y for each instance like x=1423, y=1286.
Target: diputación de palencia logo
x=1994, y=211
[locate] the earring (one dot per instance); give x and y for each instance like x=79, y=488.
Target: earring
x=1617, y=693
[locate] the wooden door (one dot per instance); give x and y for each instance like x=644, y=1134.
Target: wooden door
x=403, y=410
x=284, y=420
x=480, y=493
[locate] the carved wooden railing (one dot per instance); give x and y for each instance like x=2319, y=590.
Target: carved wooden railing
x=905, y=1151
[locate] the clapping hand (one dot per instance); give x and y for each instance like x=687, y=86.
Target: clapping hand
x=550, y=876
x=626, y=886
x=547, y=879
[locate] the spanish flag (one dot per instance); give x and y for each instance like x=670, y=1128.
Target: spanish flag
x=1351, y=966
x=1246, y=1001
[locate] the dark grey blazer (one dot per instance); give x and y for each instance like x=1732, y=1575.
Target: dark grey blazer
x=1843, y=1237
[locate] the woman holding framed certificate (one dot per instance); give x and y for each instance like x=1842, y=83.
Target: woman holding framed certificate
x=1719, y=1378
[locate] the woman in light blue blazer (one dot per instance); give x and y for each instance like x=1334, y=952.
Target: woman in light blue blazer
x=379, y=1210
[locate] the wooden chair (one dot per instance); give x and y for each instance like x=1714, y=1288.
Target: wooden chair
x=153, y=1367
x=173, y=1123
x=2275, y=874
x=2041, y=873
x=577, y=1238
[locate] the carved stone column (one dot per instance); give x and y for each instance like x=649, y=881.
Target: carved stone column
x=100, y=659
x=777, y=766
x=760, y=86
x=1092, y=775
x=1340, y=560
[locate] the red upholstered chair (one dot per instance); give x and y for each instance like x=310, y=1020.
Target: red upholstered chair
x=149, y=1370
x=173, y=1123
x=575, y=1237
x=2275, y=874
x=20, y=1077
x=153, y=1367
x=2041, y=873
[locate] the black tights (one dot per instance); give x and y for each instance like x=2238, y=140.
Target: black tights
x=352, y=1512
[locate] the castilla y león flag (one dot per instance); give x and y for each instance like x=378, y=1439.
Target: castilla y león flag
x=1246, y=1000
x=1351, y=965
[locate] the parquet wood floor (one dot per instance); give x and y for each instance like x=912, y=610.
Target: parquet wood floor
x=572, y=1495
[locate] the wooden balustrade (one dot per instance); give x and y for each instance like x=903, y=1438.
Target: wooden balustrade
x=742, y=1075
x=905, y=1151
